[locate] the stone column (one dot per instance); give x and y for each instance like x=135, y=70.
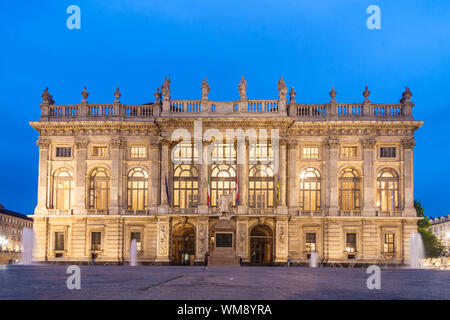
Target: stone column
x=242, y=170
x=79, y=183
x=44, y=145
x=369, y=192
x=332, y=202
x=203, y=179
x=164, y=164
x=115, y=196
x=202, y=239
x=154, y=177
x=293, y=178
x=163, y=236
x=242, y=246
x=281, y=240
x=408, y=178
x=281, y=206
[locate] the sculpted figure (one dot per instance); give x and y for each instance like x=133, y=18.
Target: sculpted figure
x=205, y=89
x=225, y=201
x=165, y=88
x=282, y=89
x=243, y=88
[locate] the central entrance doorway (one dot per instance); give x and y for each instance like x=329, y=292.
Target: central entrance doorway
x=261, y=245
x=183, y=246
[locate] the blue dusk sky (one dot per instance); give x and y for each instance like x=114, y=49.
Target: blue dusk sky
x=312, y=44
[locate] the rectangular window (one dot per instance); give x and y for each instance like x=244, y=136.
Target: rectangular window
x=350, y=242
x=137, y=236
x=311, y=152
x=96, y=240
x=63, y=152
x=389, y=243
x=59, y=240
x=138, y=152
x=388, y=152
x=99, y=151
x=349, y=152
x=310, y=244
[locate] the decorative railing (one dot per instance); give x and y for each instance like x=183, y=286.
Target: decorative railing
x=352, y=213
x=311, y=213
x=240, y=108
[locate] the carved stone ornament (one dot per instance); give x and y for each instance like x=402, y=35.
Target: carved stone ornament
x=117, y=143
x=333, y=94
x=282, y=89
x=225, y=202
x=43, y=143
x=81, y=143
x=84, y=94
x=408, y=143
x=205, y=89
x=292, y=94
x=332, y=142
x=366, y=94
x=117, y=95
x=157, y=96
x=243, y=88
x=368, y=143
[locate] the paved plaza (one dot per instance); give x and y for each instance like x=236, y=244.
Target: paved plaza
x=222, y=283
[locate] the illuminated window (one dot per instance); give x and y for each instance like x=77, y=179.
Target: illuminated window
x=349, y=190
x=261, y=187
x=138, y=152
x=99, y=151
x=389, y=241
x=388, y=152
x=223, y=153
x=185, y=186
x=387, y=190
x=223, y=181
x=96, y=241
x=310, y=242
x=62, y=189
x=63, y=152
x=349, y=152
x=59, y=240
x=185, y=153
x=99, y=189
x=260, y=153
x=311, y=152
x=137, y=189
x=350, y=242
x=310, y=190
x=137, y=236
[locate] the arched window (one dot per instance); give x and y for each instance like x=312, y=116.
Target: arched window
x=99, y=189
x=349, y=190
x=261, y=187
x=137, y=189
x=185, y=186
x=223, y=180
x=387, y=190
x=310, y=190
x=62, y=189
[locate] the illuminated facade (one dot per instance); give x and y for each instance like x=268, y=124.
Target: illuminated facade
x=334, y=178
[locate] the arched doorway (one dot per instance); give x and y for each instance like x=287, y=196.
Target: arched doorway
x=183, y=246
x=261, y=245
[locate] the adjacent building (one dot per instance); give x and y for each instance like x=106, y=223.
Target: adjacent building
x=11, y=230
x=440, y=226
x=335, y=179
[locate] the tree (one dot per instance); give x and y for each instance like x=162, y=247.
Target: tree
x=432, y=246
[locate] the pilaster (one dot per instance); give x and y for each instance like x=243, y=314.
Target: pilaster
x=292, y=177
x=79, y=190
x=115, y=197
x=332, y=202
x=44, y=147
x=369, y=207
x=408, y=178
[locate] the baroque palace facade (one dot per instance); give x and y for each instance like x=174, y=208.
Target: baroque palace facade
x=335, y=179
